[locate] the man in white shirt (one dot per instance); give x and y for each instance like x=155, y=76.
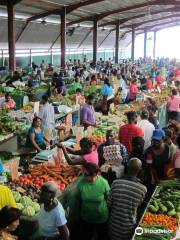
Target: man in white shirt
x=47, y=117
x=147, y=128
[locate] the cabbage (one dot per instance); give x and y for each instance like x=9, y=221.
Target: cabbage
x=26, y=201
x=36, y=206
x=28, y=211
x=20, y=206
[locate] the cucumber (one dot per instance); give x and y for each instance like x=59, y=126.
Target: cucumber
x=153, y=208
x=171, y=213
x=169, y=205
x=163, y=208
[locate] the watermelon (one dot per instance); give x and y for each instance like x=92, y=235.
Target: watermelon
x=20, y=206
x=17, y=196
x=28, y=211
x=35, y=206
x=26, y=201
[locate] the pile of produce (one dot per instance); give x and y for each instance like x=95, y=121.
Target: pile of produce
x=166, y=200
x=63, y=175
x=29, y=208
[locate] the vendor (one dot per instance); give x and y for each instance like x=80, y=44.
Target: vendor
x=16, y=77
x=76, y=85
x=51, y=218
x=36, y=138
x=176, y=158
x=79, y=98
x=9, y=102
x=108, y=96
x=88, y=117
x=87, y=153
x=59, y=84
x=6, y=197
x=9, y=221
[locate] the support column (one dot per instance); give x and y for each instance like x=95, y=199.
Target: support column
x=30, y=57
x=51, y=56
x=154, y=46
x=117, y=43
x=11, y=36
x=133, y=43
x=63, y=38
x=95, y=41
x=145, y=43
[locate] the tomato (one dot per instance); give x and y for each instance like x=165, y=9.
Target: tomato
x=62, y=186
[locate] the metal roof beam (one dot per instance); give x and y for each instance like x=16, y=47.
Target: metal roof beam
x=151, y=20
x=69, y=9
x=174, y=9
x=125, y=9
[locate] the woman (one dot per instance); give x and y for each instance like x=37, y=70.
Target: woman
x=157, y=157
x=51, y=218
x=9, y=221
x=152, y=109
x=87, y=153
x=133, y=90
x=108, y=96
x=35, y=138
x=149, y=84
x=9, y=102
x=93, y=192
x=174, y=106
x=176, y=158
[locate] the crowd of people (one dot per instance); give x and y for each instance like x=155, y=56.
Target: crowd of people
x=119, y=175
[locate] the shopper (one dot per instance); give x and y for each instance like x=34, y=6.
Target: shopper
x=51, y=218
x=146, y=127
x=168, y=140
x=174, y=106
x=128, y=131
x=157, y=157
x=133, y=90
x=36, y=138
x=107, y=93
x=176, y=158
x=47, y=118
x=9, y=103
x=9, y=221
x=6, y=197
x=93, y=191
x=87, y=153
x=88, y=117
x=126, y=195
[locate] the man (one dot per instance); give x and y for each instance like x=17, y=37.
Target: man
x=47, y=117
x=129, y=131
x=126, y=195
x=88, y=117
x=147, y=128
x=112, y=166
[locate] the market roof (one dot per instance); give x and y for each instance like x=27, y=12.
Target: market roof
x=143, y=14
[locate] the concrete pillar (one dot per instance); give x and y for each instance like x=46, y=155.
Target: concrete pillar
x=133, y=43
x=63, y=38
x=154, y=46
x=95, y=41
x=117, y=43
x=145, y=43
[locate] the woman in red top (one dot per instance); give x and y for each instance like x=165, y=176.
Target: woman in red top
x=133, y=90
x=149, y=84
x=159, y=80
x=174, y=106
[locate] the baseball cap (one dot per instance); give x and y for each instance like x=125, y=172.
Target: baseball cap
x=51, y=187
x=158, y=134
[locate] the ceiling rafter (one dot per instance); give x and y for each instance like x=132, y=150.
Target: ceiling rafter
x=125, y=9
x=69, y=9
x=151, y=20
x=174, y=9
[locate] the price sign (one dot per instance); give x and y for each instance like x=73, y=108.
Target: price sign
x=13, y=167
x=68, y=122
x=89, y=131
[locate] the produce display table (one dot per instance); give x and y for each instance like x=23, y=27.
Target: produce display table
x=164, y=203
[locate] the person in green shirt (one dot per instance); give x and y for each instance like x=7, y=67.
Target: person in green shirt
x=93, y=191
x=29, y=69
x=76, y=85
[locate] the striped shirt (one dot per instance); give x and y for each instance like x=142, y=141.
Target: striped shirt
x=124, y=198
